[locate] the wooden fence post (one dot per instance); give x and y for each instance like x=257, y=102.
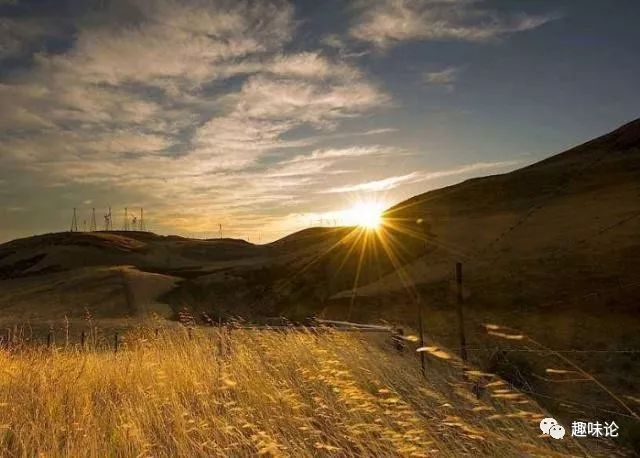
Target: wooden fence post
x=421, y=334
x=49, y=338
x=83, y=338
x=115, y=342
x=460, y=300
x=397, y=337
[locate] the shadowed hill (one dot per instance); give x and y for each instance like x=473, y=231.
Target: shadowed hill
x=552, y=250
x=55, y=275
x=106, y=274
x=573, y=212
x=543, y=233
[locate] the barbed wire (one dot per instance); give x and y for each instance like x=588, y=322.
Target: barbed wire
x=548, y=352
x=586, y=406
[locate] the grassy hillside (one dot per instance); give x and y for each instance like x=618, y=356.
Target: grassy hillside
x=254, y=393
x=48, y=277
x=552, y=250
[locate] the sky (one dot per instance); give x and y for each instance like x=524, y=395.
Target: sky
x=266, y=117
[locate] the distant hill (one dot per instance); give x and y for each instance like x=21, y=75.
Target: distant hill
x=545, y=233
x=126, y=274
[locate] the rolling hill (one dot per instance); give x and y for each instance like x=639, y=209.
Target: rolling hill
x=551, y=250
x=544, y=234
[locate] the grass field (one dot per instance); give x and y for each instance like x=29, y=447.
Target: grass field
x=247, y=393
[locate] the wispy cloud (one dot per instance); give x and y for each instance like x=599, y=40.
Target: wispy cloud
x=351, y=152
x=376, y=185
x=17, y=34
x=446, y=77
x=184, y=99
x=212, y=111
x=414, y=177
x=387, y=22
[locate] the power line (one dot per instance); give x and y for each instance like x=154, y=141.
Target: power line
x=587, y=406
x=550, y=351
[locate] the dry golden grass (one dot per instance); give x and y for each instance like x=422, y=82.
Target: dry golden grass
x=248, y=393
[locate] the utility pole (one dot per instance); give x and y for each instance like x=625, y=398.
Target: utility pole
x=74, y=221
x=92, y=226
x=419, y=306
x=220, y=225
x=460, y=300
x=126, y=219
x=107, y=220
x=143, y=227
x=421, y=332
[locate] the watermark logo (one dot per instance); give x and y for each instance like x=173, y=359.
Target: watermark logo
x=594, y=429
x=550, y=427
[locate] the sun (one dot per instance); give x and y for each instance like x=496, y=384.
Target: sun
x=367, y=215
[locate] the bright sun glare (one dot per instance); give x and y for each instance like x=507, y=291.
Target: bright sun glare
x=365, y=214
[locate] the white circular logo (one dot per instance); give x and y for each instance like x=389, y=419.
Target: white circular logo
x=546, y=424
x=556, y=431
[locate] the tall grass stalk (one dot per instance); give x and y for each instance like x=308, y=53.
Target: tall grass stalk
x=247, y=393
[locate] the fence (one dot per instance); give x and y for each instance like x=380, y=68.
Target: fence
x=99, y=339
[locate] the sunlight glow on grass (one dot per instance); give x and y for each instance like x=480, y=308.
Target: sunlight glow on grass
x=212, y=392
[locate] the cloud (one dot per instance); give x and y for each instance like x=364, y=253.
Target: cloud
x=337, y=43
x=18, y=34
x=469, y=168
x=385, y=23
x=179, y=42
x=202, y=111
x=267, y=107
x=311, y=65
x=190, y=108
x=415, y=177
x=445, y=77
x=342, y=153
x=377, y=185
x=133, y=91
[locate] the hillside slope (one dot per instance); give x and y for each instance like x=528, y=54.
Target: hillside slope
x=551, y=250
x=560, y=225
x=317, y=395
x=549, y=232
